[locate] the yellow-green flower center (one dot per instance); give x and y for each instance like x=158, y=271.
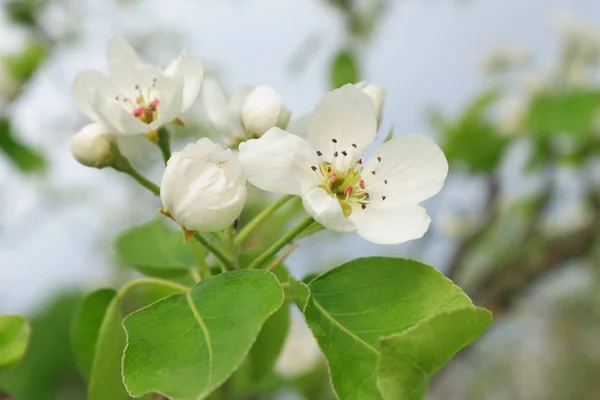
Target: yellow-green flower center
x=346, y=186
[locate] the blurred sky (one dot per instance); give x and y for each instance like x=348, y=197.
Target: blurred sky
x=56, y=231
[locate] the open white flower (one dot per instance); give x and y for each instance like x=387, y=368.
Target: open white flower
x=93, y=146
x=203, y=187
x=137, y=97
x=249, y=113
x=377, y=199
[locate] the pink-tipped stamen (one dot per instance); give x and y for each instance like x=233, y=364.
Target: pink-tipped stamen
x=138, y=111
x=361, y=184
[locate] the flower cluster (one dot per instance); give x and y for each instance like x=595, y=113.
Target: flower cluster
x=204, y=186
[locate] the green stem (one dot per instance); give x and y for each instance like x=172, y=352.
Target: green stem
x=164, y=143
x=151, y=281
x=200, y=258
x=287, y=238
x=122, y=164
x=218, y=252
x=264, y=214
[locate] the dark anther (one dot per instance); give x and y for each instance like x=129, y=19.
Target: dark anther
x=334, y=140
x=382, y=197
x=359, y=161
x=385, y=181
x=373, y=172
x=363, y=206
x=379, y=159
x=354, y=145
x=319, y=153
x=335, y=154
x=344, y=153
x=328, y=169
x=117, y=98
x=137, y=87
x=313, y=168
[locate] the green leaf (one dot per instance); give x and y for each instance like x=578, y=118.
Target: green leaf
x=344, y=69
x=473, y=142
x=352, y=307
x=98, y=342
x=156, y=250
x=270, y=341
x=19, y=154
x=22, y=65
x=187, y=345
x=86, y=327
x=409, y=358
x=572, y=112
x=14, y=336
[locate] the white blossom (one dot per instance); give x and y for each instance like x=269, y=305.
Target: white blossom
x=378, y=199
x=377, y=94
x=137, y=97
x=249, y=113
x=203, y=187
x=93, y=146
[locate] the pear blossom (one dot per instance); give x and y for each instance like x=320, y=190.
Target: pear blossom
x=379, y=199
x=137, y=97
x=93, y=146
x=250, y=111
x=203, y=187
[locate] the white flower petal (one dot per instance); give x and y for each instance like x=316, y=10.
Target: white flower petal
x=120, y=49
x=215, y=105
x=412, y=169
x=299, y=126
x=238, y=99
x=278, y=162
x=377, y=94
x=192, y=72
x=326, y=210
x=170, y=92
x=133, y=80
x=346, y=115
x=85, y=83
x=261, y=110
x=93, y=145
x=386, y=222
x=111, y=114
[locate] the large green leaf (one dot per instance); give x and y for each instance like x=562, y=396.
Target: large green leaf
x=14, y=336
x=156, y=250
x=270, y=341
x=98, y=342
x=409, y=358
x=86, y=327
x=187, y=345
x=352, y=307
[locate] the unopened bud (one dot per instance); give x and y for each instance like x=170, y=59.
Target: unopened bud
x=263, y=109
x=94, y=147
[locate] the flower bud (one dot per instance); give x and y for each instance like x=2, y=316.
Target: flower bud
x=263, y=110
x=203, y=187
x=377, y=94
x=93, y=146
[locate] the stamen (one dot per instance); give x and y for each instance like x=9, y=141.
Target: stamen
x=154, y=104
x=334, y=140
x=359, y=161
x=361, y=184
x=385, y=181
x=383, y=198
x=363, y=206
x=313, y=168
x=373, y=172
x=379, y=159
x=344, y=153
x=319, y=153
x=137, y=112
x=117, y=98
x=335, y=154
x=347, y=191
x=333, y=178
x=354, y=145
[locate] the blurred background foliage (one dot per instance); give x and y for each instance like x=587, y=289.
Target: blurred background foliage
x=530, y=254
